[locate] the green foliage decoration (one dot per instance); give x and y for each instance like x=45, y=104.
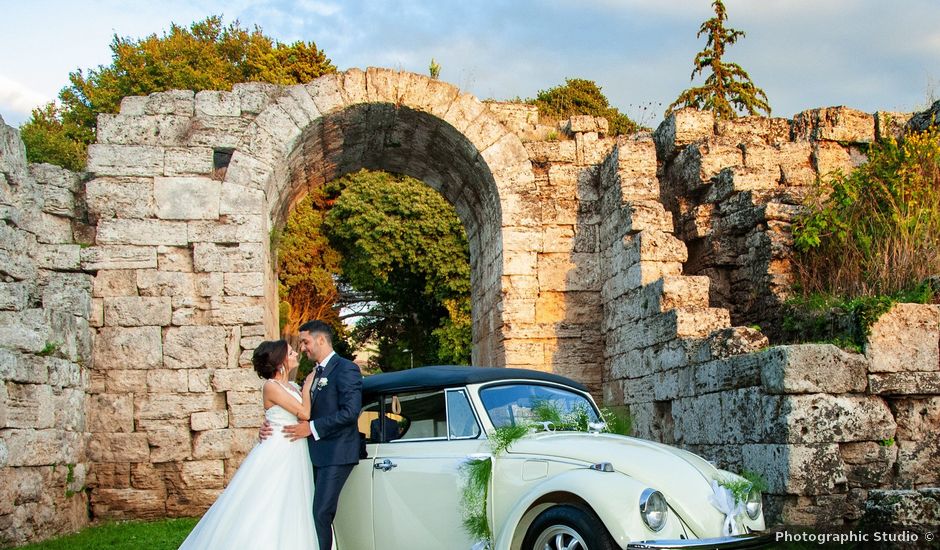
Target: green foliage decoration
x=742, y=484
x=578, y=96
x=207, y=55
x=728, y=90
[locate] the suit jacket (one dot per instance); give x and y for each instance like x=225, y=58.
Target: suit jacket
x=335, y=414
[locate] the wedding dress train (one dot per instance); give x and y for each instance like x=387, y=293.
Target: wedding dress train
x=268, y=503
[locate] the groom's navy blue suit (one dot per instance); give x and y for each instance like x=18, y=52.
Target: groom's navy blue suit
x=336, y=399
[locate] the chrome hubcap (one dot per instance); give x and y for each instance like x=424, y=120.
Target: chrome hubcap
x=560, y=537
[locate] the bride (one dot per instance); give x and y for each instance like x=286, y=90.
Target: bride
x=269, y=502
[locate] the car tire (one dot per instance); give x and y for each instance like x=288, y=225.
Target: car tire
x=559, y=526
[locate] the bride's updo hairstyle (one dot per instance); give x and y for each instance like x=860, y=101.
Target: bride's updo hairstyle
x=268, y=356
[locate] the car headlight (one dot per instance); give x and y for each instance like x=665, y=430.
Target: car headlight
x=753, y=504
x=653, y=509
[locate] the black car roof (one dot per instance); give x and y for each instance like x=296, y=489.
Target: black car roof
x=437, y=377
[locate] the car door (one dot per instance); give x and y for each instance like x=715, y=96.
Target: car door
x=416, y=477
x=353, y=522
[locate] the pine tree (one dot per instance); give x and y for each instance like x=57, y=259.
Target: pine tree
x=729, y=89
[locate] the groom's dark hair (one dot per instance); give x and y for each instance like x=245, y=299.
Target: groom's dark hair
x=318, y=326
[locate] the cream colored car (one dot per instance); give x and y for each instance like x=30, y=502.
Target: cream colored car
x=551, y=490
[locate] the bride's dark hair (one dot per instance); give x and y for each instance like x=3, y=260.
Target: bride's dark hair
x=268, y=356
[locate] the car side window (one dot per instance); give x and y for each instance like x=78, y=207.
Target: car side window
x=424, y=416
x=461, y=422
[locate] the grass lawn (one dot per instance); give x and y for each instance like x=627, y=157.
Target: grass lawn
x=166, y=534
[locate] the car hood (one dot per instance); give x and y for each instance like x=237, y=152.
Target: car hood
x=682, y=477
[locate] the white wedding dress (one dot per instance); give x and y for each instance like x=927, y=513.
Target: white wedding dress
x=269, y=502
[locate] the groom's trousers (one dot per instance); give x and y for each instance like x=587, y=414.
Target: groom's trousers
x=328, y=481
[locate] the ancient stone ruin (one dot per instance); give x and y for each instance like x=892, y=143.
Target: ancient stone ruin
x=132, y=295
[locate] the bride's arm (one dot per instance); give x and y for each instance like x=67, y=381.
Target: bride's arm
x=275, y=394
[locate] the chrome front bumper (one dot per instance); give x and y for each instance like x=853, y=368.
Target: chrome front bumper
x=737, y=542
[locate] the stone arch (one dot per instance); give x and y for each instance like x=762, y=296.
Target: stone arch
x=409, y=124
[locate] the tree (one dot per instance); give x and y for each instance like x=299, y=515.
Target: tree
x=582, y=97
x=206, y=56
x=728, y=90
x=405, y=253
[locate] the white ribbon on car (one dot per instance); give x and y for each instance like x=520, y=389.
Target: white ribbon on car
x=723, y=499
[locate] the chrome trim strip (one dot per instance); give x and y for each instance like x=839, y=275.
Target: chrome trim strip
x=736, y=542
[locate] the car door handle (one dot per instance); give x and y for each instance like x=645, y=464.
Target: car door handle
x=385, y=465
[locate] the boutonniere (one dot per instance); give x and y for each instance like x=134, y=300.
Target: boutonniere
x=321, y=383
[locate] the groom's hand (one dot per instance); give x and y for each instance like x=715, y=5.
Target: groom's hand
x=297, y=431
x=265, y=431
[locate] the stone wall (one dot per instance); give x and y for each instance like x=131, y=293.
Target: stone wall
x=45, y=348
x=625, y=263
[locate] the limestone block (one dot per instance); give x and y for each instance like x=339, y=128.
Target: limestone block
x=890, y=124
x=905, y=339
x=186, y=198
x=167, y=381
x=815, y=418
x=65, y=374
x=236, y=228
x=217, y=103
x=237, y=199
x=129, y=503
x=63, y=257
x=255, y=96
x=236, y=380
x=246, y=257
x=141, y=232
x=110, y=412
x=898, y=514
x=209, y=420
x=125, y=160
x=171, y=102
x=108, y=197
x=111, y=283
x=18, y=367
x=188, y=161
x=244, y=284
x=207, y=474
x=198, y=380
x=134, y=105
x=214, y=444
x=18, y=266
x=796, y=469
x=651, y=245
x=118, y=447
x=905, y=383
x=275, y=123
x=235, y=310
x=573, y=272
x=222, y=132
x=152, y=282
x=735, y=341
x=146, y=476
x=681, y=128
x=173, y=258
x=122, y=129
x=919, y=463
x=137, y=311
x=644, y=273
x=126, y=381
x=834, y=124
x=48, y=229
x=29, y=406
x=108, y=257
x=246, y=416
x=173, y=406
x=195, y=347
x=917, y=418
x=25, y=330
x=40, y=447
x=829, y=158
x=812, y=368
x=58, y=201
x=754, y=130
x=297, y=103
x=868, y=464
x=109, y=475
x=923, y=120
x=129, y=348
x=551, y=151
x=14, y=296
x=169, y=445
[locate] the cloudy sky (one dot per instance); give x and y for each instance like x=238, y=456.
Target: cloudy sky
x=867, y=54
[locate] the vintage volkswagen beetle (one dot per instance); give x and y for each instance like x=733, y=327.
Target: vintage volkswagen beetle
x=551, y=490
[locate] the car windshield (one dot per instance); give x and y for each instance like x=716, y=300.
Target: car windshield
x=545, y=407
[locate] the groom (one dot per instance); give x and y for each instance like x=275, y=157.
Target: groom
x=332, y=432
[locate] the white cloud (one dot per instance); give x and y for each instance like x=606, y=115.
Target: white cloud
x=17, y=101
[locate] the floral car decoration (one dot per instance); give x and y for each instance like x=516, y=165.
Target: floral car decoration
x=512, y=459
